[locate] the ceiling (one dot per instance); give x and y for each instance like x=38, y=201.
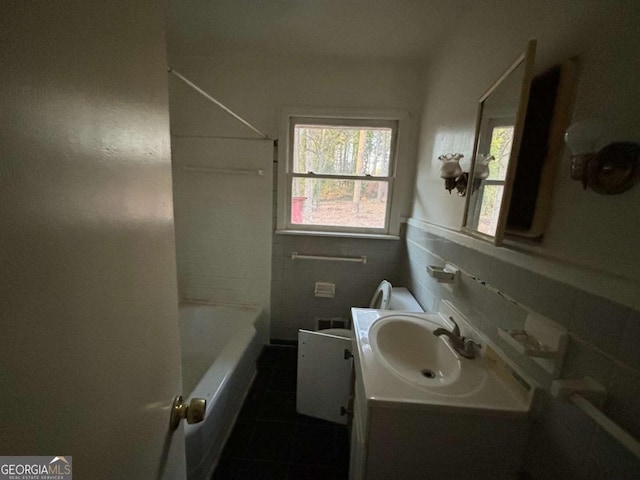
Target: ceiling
x=366, y=29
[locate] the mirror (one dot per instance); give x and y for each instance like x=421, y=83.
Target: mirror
x=499, y=128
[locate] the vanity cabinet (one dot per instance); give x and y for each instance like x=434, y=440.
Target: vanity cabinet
x=358, y=430
x=402, y=430
x=406, y=442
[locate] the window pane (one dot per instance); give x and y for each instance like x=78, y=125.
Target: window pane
x=341, y=203
x=490, y=209
x=501, y=140
x=340, y=150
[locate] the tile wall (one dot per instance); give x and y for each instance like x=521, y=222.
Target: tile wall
x=293, y=303
x=564, y=443
x=223, y=219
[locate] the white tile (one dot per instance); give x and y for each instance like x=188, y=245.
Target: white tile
x=494, y=311
x=477, y=264
x=521, y=285
x=599, y=321
x=417, y=254
x=622, y=404
x=514, y=317
x=629, y=351
x=554, y=300
x=583, y=360
x=472, y=293
x=607, y=459
x=559, y=443
x=497, y=274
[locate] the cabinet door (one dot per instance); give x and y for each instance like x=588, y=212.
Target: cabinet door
x=324, y=376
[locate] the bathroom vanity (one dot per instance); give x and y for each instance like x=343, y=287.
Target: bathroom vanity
x=420, y=410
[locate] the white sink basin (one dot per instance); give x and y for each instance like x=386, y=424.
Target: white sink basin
x=407, y=346
x=402, y=361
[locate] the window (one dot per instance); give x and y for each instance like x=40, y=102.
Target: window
x=500, y=136
x=337, y=175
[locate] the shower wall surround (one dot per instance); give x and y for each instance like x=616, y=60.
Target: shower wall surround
x=222, y=202
x=495, y=294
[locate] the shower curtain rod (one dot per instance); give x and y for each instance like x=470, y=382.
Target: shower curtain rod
x=219, y=104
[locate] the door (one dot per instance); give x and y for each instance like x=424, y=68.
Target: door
x=89, y=349
x=324, y=376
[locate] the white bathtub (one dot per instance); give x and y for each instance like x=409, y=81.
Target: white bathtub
x=220, y=346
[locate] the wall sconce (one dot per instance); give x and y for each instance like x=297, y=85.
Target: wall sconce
x=610, y=170
x=481, y=170
x=455, y=177
x=452, y=173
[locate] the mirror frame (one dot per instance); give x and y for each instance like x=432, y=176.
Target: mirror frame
x=527, y=59
x=557, y=120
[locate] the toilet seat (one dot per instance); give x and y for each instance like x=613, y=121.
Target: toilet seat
x=387, y=297
x=381, y=296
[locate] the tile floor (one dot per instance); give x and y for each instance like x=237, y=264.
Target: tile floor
x=271, y=441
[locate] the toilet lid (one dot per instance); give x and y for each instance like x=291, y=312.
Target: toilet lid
x=381, y=296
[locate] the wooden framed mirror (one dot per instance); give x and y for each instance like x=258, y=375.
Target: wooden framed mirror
x=499, y=128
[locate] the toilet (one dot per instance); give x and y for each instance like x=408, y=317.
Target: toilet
x=325, y=361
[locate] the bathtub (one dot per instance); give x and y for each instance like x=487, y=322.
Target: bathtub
x=220, y=347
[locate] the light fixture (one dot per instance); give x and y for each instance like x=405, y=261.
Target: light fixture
x=481, y=170
x=583, y=139
x=452, y=173
x=609, y=170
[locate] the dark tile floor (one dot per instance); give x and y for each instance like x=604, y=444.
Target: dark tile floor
x=271, y=441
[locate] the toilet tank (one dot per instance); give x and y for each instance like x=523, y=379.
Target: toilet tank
x=402, y=300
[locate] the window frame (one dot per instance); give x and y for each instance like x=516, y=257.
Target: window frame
x=289, y=118
x=497, y=121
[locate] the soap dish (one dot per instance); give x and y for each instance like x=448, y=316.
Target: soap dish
x=446, y=274
x=541, y=339
x=526, y=344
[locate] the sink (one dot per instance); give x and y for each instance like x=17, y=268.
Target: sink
x=402, y=362
x=407, y=346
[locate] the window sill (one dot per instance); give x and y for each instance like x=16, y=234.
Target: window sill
x=369, y=236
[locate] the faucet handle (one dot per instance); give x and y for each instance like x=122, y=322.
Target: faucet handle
x=456, y=328
x=469, y=349
x=469, y=341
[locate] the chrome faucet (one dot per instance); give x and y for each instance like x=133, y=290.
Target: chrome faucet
x=464, y=346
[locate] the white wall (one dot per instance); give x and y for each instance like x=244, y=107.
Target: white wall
x=590, y=229
x=256, y=88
